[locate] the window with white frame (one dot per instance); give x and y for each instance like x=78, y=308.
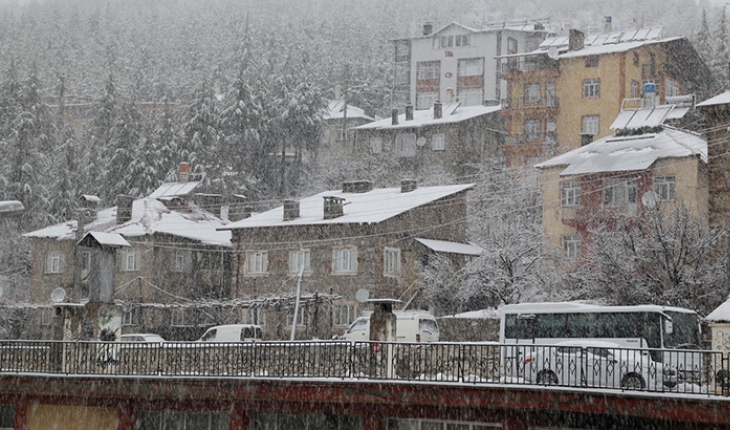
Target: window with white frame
x=181, y=260
x=46, y=317
x=571, y=246
x=391, y=262
x=511, y=45
x=438, y=142
x=671, y=88
x=302, y=316
x=376, y=143
x=85, y=261
x=345, y=260
x=428, y=70
x=471, y=97
x=532, y=93
x=298, y=260
x=665, y=187
x=592, y=61
x=533, y=128
x=619, y=191
x=462, y=40
x=255, y=315
x=590, y=124
x=406, y=143
x=426, y=99
x=129, y=317
x=635, y=92
x=131, y=259
x=54, y=262
x=257, y=262
x=343, y=314
x=446, y=41
x=471, y=67
x=591, y=88
x=570, y=193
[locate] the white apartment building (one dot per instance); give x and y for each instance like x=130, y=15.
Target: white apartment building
x=457, y=63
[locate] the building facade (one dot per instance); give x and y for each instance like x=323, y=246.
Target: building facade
x=336, y=243
x=175, y=260
x=458, y=63
x=568, y=92
x=450, y=141
x=621, y=175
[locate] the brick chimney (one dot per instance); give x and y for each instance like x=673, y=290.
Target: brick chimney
x=576, y=40
x=291, y=210
x=184, y=174
x=408, y=185
x=394, y=116
x=437, y=110
x=409, y=112
x=333, y=207
x=124, y=208
x=357, y=186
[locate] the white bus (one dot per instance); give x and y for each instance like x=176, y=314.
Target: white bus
x=669, y=333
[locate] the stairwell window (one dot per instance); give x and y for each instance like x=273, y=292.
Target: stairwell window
x=590, y=124
x=257, y=262
x=131, y=259
x=438, y=142
x=570, y=193
x=591, y=88
x=532, y=93
x=571, y=246
x=533, y=129
x=406, y=144
x=345, y=261
x=376, y=143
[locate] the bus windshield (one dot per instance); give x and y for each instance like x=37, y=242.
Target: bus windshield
x=684, y=331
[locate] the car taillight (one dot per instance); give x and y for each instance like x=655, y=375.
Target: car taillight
x=418, y=337
x=528, y=360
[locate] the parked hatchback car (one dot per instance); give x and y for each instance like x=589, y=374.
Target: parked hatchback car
x=597, y=364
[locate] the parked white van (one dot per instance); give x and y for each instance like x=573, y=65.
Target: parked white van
x=411, y=326
x=232, y=333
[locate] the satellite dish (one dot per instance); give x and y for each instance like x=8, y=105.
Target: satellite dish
x=650, y=199
x=58, y=295
x=362, y=295
x=421, y=141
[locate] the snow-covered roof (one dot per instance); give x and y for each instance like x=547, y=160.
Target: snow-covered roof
x=612, y=48
x=720, y=314
x=450, y=113
x=480, y=314
x=149, y=216
x=610, y=38
x=371, y=207
x=451, y=247
x=523, y=26
x=629, y=153
x=648, y=116
x=720, y=99
x=336, y=110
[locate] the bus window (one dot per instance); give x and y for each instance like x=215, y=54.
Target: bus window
x=581, y=325
x=550, y=326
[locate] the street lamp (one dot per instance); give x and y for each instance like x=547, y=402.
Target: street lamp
x=10, y=208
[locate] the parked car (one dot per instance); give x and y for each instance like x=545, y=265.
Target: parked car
x=232, y=333
x=141, y=337
x=596, y=364
x=411, y=326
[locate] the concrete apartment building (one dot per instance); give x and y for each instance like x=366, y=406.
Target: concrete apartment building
x=458, y=63
x=570, y=90
x=450, y=141
x=621, y=175
x=342, y=241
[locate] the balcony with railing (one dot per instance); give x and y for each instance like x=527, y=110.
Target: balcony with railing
x=531, y=139
x=521, y=103
x=576, y=366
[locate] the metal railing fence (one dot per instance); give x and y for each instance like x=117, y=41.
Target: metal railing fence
x=589, y=366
